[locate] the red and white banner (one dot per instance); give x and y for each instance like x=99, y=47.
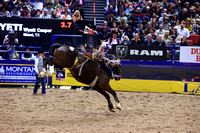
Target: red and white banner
x=190, y=54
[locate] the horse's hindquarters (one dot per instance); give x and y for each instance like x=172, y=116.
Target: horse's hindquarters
x=87, y=74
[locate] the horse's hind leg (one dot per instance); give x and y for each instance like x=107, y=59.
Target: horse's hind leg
x=110, y=90
x=110, y=105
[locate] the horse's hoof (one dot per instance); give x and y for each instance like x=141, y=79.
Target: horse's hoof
x=49, y=74
x=112, y=110
x=118, y=106
x=111, y=107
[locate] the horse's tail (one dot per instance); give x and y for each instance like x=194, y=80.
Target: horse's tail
x=53, y=47
x=55, y=51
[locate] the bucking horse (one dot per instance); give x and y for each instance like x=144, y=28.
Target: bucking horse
x=85, y=70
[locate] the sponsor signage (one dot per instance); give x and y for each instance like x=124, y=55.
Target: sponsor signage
x=195, y=89
x=17, y=73
x=60, y=74
x=155, y=53
x=163, y=86
x=64, y=77
x=190, y=54
x=29, y=27
x=138, y=85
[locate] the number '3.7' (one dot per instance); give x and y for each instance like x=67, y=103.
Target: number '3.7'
x=66, y=24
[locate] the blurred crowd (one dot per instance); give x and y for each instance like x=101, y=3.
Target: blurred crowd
x=150, y=22
x=60, y=9
x=138, y=22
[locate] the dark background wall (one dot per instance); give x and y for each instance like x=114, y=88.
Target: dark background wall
x=161, y=70
x=41, y=39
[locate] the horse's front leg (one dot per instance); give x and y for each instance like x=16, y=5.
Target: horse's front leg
x=50, y=61
x=51, y=71
x=47, y=62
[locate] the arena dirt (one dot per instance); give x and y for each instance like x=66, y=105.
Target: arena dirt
x=76, y=111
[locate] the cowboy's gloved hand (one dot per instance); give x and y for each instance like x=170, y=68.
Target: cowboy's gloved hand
x=43, y=73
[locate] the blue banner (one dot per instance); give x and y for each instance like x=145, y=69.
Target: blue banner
x=60, y=74
x=17, y=73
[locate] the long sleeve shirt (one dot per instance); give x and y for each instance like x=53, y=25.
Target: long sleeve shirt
x=38, y=64
x=183, y=32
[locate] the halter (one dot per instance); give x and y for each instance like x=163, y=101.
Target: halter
x=76, y=60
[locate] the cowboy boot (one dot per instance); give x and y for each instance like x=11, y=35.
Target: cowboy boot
x=116, y=77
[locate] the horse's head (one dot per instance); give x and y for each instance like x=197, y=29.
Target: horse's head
x=115, y=65
x=65, y=56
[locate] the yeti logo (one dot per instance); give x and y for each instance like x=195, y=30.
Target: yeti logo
x=121, y=51
x=2, y=71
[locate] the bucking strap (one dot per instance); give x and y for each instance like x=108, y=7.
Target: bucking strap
x=81, y=68
x=97, y=77
x=94, y=81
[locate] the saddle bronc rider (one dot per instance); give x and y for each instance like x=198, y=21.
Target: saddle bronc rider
x=101, y=56
x=91, y=44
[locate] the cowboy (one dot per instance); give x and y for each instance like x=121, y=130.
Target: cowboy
x=39, y=70
x=11, y=41
x=28, y=56
x=91, y=44
x=101, y=56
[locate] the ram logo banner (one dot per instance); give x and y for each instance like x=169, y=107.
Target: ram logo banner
x=17, y=74
x=146, y=52
x=131, y=52
x=121, y=51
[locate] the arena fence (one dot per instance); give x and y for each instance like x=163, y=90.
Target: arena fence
x=136, y=85
x=141, y=76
